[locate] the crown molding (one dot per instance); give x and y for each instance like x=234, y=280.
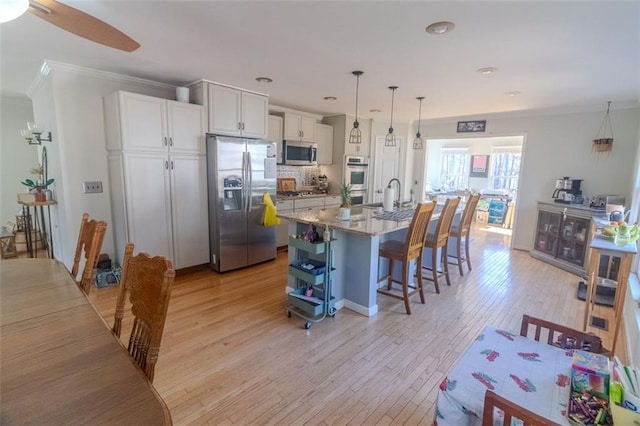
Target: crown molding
x=225, y=85
x=48, y=66
x=563, y=110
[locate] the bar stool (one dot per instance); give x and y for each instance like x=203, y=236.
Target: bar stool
x=405, y=252
x=462, y=230
x=439, y=241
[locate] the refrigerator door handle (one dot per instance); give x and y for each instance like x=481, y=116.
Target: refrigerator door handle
x=250, y=173
x=244, y=181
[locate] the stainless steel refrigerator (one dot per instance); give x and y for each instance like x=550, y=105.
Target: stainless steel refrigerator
x=239, y=172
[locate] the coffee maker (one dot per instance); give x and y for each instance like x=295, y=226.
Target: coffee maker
x=568, y=191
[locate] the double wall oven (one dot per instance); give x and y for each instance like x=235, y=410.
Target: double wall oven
x=356, y=174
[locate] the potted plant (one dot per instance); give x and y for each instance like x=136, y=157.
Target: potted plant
x=38, y=187
x=345, y=207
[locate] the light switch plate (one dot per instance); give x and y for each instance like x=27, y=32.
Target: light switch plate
x=92, y=187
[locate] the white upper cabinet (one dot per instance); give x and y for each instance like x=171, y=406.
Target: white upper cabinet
x=324, y=136
x=275, y=135
x=237, y=113
x=146, y=123
x=299, y=127
x=186, y=130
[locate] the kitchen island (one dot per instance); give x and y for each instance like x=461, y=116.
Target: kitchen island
x=355, y=255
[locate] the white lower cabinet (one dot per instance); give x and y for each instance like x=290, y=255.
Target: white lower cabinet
x=161, y=206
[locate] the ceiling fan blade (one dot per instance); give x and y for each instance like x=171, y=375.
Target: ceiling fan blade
x=82, y=24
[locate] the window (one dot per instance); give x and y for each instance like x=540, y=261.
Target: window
x=454, y=172
x=505, y=168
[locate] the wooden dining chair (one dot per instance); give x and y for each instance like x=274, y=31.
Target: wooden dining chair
x=511, y=410
x=560, y=336
x=405, y=252
x=461, y=231
x=148, y=280
x=439, y=240
x=90, y=240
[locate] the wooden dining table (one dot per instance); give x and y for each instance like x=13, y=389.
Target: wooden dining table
x=59, y=361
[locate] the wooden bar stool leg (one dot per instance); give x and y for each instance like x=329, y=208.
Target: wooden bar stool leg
x=434, y=268
x=459, y=252
x=445, y=266
x=390, y=277
x=466, y=251
x=419, y=278
x=405, y=286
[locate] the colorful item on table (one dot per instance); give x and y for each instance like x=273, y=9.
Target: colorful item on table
x=590, y=372
x=588, y=409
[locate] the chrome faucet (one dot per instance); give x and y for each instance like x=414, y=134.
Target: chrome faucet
x=399, y=189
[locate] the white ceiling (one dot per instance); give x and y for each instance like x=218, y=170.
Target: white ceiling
x=557, y=54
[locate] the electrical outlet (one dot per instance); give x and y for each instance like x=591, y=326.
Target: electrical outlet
x=92, y=187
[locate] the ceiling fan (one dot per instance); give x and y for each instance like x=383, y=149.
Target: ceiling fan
x=70, y=19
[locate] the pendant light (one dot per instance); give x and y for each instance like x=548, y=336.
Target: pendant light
x=355, y=136
x=417, y=142
x=390, y=139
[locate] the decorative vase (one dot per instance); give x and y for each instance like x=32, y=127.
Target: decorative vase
x=344, y=213
x=40, y=197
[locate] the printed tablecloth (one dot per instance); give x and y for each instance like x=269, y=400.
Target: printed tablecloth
x=532, y=374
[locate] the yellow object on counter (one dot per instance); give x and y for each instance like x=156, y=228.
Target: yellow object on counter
x=270, y=214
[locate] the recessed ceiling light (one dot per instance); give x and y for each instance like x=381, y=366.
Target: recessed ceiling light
x=330, y=98
x=264, y=80
x=442, y=27
x=487, y=70
x=374, y=110
x=513, y=93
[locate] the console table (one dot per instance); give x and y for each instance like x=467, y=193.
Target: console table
x=39, y=224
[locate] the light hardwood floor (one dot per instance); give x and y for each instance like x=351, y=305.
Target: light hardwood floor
x=230, y=355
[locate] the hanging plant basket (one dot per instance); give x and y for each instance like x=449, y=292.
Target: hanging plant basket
x=603, y=144
x=604, y=138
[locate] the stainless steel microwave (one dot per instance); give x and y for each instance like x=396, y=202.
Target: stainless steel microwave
x=296, y=153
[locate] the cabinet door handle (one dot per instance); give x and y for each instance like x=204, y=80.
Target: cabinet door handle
x=239, y=125
x=166, y=164
x=170, y=141
x=171, y=164
x=165, y=141
x=243, y=126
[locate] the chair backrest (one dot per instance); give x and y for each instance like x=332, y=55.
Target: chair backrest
x=444, y=222
x=467, y=214
x=511, y=410
x=90, y=242
x=418, y=229
x=148, y=280
x=561, y=336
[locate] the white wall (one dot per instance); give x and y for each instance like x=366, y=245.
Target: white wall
x=69, y=100
x=17, y=157
x=559, y=145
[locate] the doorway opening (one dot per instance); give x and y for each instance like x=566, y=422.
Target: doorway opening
x=489, y=166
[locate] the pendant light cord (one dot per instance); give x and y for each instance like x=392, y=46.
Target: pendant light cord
x=419, y=116
x=393, y=94
x=357, y=87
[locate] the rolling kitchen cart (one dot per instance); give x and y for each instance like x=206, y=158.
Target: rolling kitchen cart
x=312, y=270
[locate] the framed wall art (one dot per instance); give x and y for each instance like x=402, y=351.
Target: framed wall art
x=479, y=166
x=472, y=126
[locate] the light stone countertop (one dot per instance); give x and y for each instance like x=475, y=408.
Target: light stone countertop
x=362, y=220
x=298, y=197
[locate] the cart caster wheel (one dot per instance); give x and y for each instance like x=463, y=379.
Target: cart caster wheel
x=288, y=313
x=307, y=325
x=332, y=312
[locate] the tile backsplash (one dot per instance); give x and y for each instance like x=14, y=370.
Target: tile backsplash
x=304, y=175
